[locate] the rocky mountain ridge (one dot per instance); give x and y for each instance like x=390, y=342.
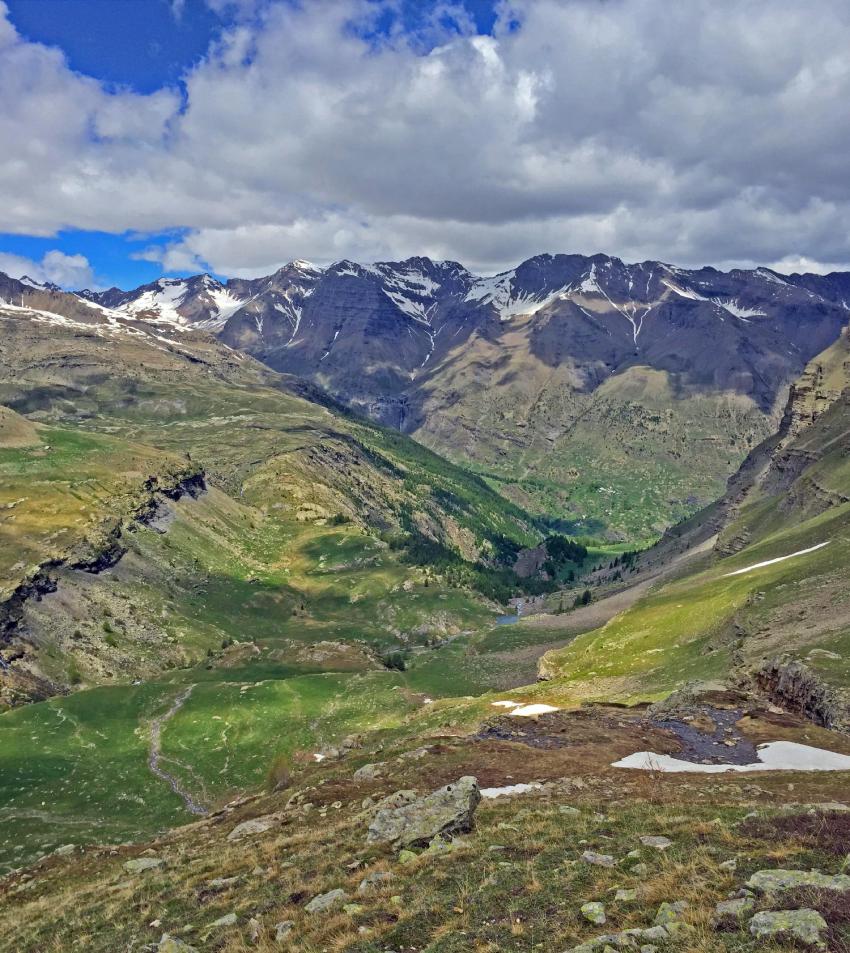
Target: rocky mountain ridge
x=617, y=397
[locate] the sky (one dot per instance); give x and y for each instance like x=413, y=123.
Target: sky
x=151, y=137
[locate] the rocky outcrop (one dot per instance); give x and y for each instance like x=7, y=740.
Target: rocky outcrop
x=21, y=679
x=780, y=879
x=793, y=685
x=404, y=820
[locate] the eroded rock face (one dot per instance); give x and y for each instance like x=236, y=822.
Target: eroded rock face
x=443, y=813
x=794, y=685
x=803, y=925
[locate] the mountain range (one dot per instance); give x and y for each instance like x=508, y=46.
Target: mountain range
x=615, y=397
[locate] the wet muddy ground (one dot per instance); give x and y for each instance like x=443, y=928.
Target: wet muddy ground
x=704, y=734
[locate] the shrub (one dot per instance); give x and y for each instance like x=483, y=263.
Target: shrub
x=394, y=661
x=279, y=774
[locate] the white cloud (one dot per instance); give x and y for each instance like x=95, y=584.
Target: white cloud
x=707, y=132
x=67, y=271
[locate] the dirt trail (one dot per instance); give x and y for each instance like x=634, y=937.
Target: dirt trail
x=155, y=755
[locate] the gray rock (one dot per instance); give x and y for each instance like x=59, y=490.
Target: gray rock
x=803, y=925
x=222, y=883
x=228, y=920
x=140, y=864
x=593, y=912
x=283, y=929
x=170, y=944
x=375, y=881
x=733, y=908
x=625, y=895
x=648, y=948
x=652, y=840
x=445, y=812
x=257, y=825
x=369, y=772
x=775, y=881
x=598, y=860
x=255, y=930
x=327, y=902
x=669, y=915
x=639, y=870
x=648, y=933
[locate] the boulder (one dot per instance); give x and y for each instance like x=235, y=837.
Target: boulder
x=803, y=925
x=669, y=915
x=170, y=944
x=282, y=930
x=736, y=908
x=140, y=864
x=369, y=772
x=257, y=825
x=593, y=912
x=443, y=813
x=327, y=902
x=598, y=860
x=652, y=840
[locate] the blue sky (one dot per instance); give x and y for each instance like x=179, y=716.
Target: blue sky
x=172, y=136
x=145, y=45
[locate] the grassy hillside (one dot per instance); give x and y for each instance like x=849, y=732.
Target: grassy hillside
x=279, y=590
x=719, y=622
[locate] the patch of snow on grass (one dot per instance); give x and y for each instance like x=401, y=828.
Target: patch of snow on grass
x=773, y=756
x=779, y=559
x=506, y=704
x=509, y=789
x=527, y=711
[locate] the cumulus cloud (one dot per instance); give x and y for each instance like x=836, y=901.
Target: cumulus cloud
x=706, y=132
x=55, y=267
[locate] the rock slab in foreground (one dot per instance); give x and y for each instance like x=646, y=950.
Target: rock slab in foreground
x=445, y=812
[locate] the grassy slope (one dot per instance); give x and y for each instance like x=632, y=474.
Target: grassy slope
x=709, y=623
x=304, y=604
x=515, y=883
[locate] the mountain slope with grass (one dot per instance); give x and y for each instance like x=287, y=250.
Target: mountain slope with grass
x=768, y=607
x=161, y=491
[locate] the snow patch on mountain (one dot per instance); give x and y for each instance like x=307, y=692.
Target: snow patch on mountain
x=498, y=291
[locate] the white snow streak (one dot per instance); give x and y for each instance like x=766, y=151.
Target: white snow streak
x=779, y=559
